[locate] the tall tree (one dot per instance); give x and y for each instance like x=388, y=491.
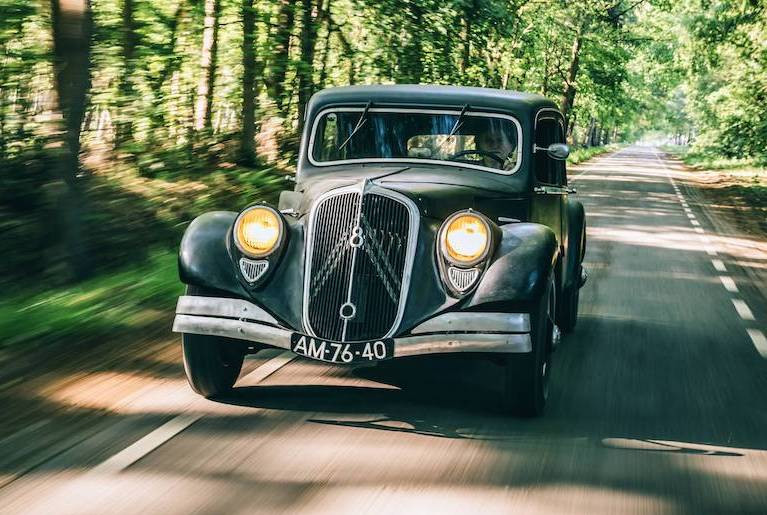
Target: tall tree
x=71, y=24
x=208, y=64
x=124, y=125
x=568, y=98
x=248, y=133
x=170, y=63
x=309, y=25
x=280, y=50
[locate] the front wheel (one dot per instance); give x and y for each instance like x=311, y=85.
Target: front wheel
x=527, y=375
x=212, y=363
x=568, y=306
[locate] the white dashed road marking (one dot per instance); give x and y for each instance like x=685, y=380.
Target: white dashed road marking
x=760, y=341
x=728, y=283
x=743, y=310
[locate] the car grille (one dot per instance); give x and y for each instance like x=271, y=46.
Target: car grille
x=357, y=268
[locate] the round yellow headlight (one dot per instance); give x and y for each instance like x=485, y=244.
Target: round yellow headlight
x=258, y=231
x=466, y=238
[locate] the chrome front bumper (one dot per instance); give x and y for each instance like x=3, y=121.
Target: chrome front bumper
x=450, y=332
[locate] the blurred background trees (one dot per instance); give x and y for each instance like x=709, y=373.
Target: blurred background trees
x=122, y=119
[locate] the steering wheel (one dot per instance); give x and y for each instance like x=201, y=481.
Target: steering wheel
x=457, y=155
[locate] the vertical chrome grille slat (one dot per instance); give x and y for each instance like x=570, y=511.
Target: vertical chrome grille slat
x=374, y=280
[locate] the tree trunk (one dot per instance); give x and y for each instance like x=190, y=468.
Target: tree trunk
x=568, y=99
x=589, y=133
x=124, y=124
x=248, y=134
x=71, y=24
x=208, y=64
x=280, y=50
x=411, y=67
x=172, y=63
x=466, y=49
x=326, y=48
x=306, y=66
x=570, y=129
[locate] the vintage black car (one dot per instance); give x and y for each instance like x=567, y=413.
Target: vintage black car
x=424, y=219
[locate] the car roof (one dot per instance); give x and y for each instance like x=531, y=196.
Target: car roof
x=519, y=103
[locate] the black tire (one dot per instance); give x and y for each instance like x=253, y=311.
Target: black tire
x=568, y=307
x=212, y=364
x=527, y=375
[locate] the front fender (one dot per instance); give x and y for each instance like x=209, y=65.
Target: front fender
x=520, y=267
x=203, y=259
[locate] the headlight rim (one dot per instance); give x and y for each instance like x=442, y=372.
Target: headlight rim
x=443, y=239
x=280, y=236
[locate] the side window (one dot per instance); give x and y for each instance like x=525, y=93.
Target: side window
x=545, y=133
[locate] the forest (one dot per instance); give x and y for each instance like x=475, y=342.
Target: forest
x=120, y=120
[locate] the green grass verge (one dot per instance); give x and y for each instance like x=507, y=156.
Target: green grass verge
x=128, y=301
x=582, y=154
x=708, y=161
x=748, y=177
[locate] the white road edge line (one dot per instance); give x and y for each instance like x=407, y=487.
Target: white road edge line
x=760, y=341
x=743, y=310
x=174, y=426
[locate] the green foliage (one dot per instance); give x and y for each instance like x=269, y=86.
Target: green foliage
x=153, y=155
x=580, y=155
x=127, y=302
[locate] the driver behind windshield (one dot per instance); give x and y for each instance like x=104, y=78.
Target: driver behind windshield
x=495, y=141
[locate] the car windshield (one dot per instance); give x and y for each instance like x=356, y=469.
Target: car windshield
x=472, y=139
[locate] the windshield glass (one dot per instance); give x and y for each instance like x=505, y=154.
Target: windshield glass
x=476, y=140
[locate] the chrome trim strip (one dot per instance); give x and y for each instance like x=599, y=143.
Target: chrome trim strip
x=223, y=307
x=441, y=343
x=475, y=322
x=232, y=328
x=355, y=251
x=364, y=188
x=404, y=346
x=310, y=147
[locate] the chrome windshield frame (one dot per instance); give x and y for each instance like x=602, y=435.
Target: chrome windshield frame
x=456, y=112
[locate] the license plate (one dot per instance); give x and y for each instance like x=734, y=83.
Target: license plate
x=338, y=352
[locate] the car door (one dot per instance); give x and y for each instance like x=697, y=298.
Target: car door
x=550, y=189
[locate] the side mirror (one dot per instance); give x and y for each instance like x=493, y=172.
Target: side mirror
x=558, y=151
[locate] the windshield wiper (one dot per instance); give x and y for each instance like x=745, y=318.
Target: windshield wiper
x=457, y=124
x=360, y=122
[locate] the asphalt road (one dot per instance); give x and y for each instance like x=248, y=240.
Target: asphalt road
x=658, y=401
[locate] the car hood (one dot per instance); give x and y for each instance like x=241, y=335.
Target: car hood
x=437, y=191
